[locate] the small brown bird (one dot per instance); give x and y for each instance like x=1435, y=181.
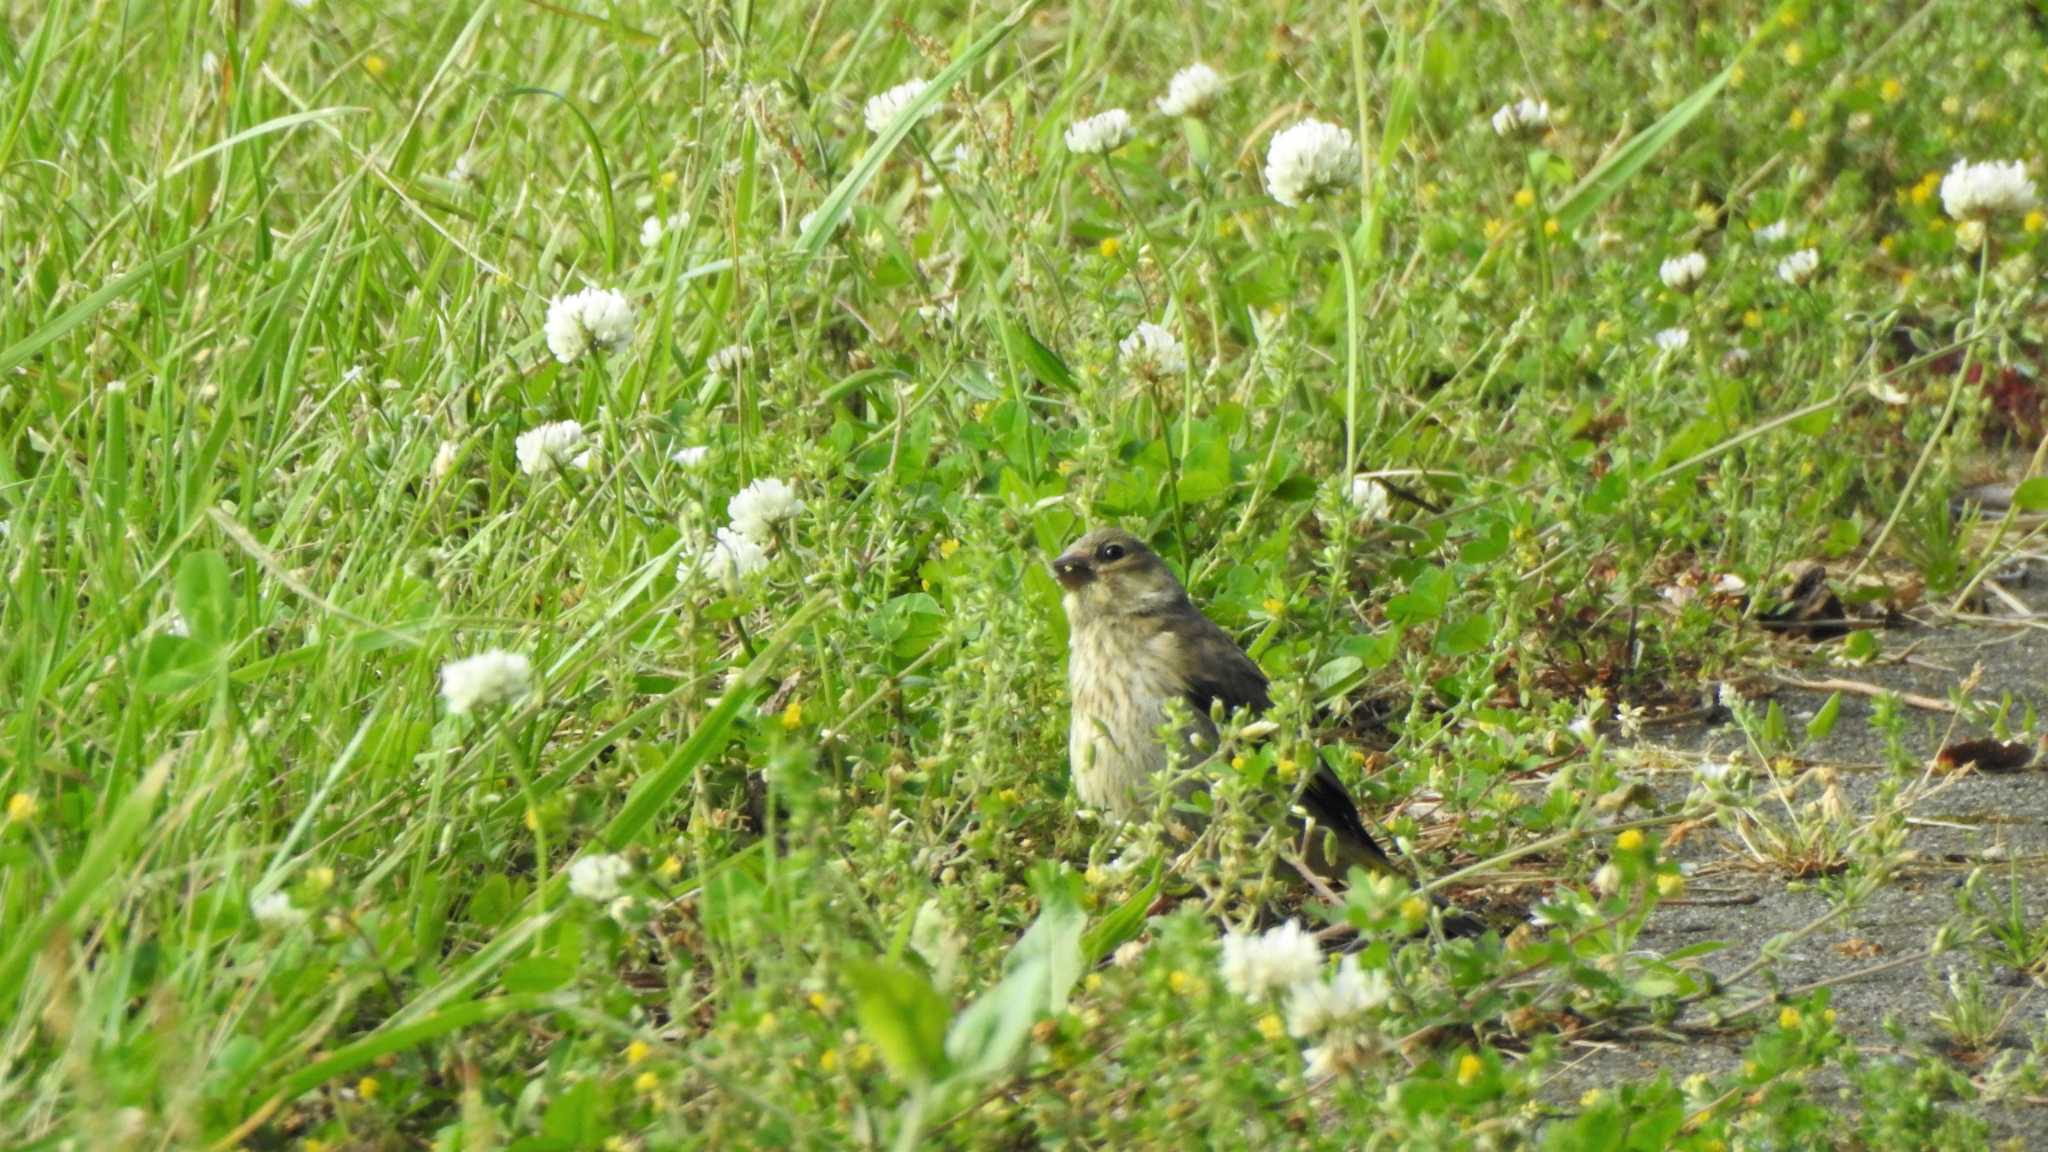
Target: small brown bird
x=1135, y=642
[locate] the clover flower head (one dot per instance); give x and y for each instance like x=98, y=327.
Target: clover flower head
x=1256, y=964
x=1799, y=267
x=1310, y=160
x=595, y=318
x=1191, y=89
x=485, y=680
x=882, y=109
x=1985, y=189
x=1683, y=273
x=599, y=878
x=1101, y=134
x=1524, y=117
x=756, y=509
x=552, y=447
x=1151, y=352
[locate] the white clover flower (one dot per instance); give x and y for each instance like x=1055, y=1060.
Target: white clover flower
x=756, y=509
x=1986, y=189
x=274, y=910
x=591, y=319
x=654, y=228
x=1311, y=159
x=1773, y=232
x=728, y=360
x=175, y=624
x=1713, y=771
x=1371, y=498
x=1101, y=134
x=444, y=459
x=1315, y=1006
x=599, y=878
x=882, y=110
x=730, y=558
x=465, y=168
x=549, y=447
x=485, y=680
x=1192, y=89
x=1683, y=273
x=1255, y=965
x=1524, y=117
x=692, y=456
x=1673, y=340
x=1799, y=267
x=1607, y=880
x=1151, y=352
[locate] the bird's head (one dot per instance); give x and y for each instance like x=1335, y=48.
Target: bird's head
x=1109, y=573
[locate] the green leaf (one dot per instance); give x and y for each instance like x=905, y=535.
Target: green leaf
x=1620, y=166
x=492, y=902
x=172, y=664
x=1823, y=721
x=2031, y=495
x=1039, y=972
x=538, y=974
x=839, y=201
x=1037, y=359
x=1122, y=924
x=1427, y=596
x=206, y=598
x=904, y=1017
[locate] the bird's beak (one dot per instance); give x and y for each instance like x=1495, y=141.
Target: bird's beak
x=1072, y=570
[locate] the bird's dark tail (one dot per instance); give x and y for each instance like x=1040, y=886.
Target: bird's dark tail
x=1329, y=804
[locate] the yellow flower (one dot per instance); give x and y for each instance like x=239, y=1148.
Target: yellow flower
x=1551, y=227
x=668, y=179
x=793, y=716
x=1629, y=841
x=1670, y=885
x=1829, y=1016
x=367, y=1087
x=1606, y=330
x=1891, y=91
x=320, y=879
x=375, y=66
x=1495, y=229
x=1788, y=16
x=1525, y=197
x=1271, y=1026
x=22, y=806
x=1470, y=1068
x=646, y=1083
x=1092, y=982
x=1593, y=1098
x=766, y=1024
x=670, y=868
x=2035, y=221
x=948, y=547
x=863, y=1055
x=1179, y=981
x=533, y=819
x=1286, y=767
x=1066, y=467
x=1887, y=244
x=1796, y=120
x=1705, y=214
x=817, y=1000
x=1752, y=319
x=636, y=1052
x=828, y=1060
x=1274, y=606
x=1109, y=247
x=1788, y=1017
x=1736, y=75
x=1414, y=910
x=1951, y=106
x=1795, y=53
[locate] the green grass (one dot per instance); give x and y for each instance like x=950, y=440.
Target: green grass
x=249, y=304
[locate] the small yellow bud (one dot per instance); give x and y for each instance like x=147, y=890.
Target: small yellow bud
x=1796, y=120
x=862, y=1056
x=1495, y=229
x=1891, y=91
x=1286, y=767
x=1670, y=885
x=1752, y=319
x=1275, y=606
x=828, y=1060
x=1551, y=227
x=636, y=1052
x=1179, y=981
x=2035, y=221
x=668, y=179
x=533, y=819
x=375, y=66
x=646, y=1083
x=22, y=808
x=1829, y=1016
x=1415, y=910
x=1271, y=1026
x=1788, y=1017
x=1629, y=841
x=948, y=547
x=1092, y=982
x=1795, y=53
x=1736, y=76
x=1470, y=1068
x=367, y=1087
x=766, y=1024
x=1593, y=1098
x=817, y=1001
x=793, y=716
x=1525, y=197
x=1237, y=763
x=670, y=868
x=1109, y=247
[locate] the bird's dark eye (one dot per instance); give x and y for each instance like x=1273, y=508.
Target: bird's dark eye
x=1110, y=553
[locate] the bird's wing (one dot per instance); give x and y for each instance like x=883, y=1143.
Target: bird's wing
x=1215, y=668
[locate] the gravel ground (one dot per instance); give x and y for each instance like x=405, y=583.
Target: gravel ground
x=1998, y=820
